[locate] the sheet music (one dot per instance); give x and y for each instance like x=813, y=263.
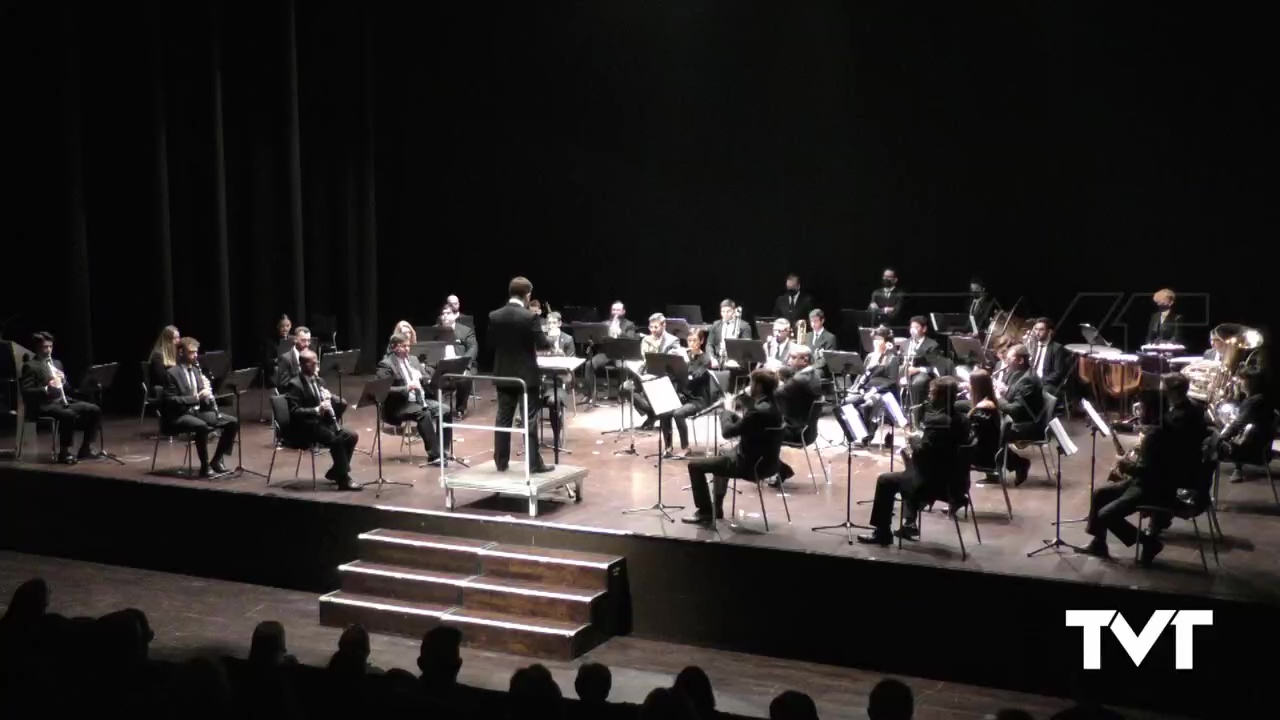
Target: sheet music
x=1097, y=420
x=661, y=395
x=1064, y=441
x=854, y=418
x=895, y=410
x=963, y=372
x=557, y=364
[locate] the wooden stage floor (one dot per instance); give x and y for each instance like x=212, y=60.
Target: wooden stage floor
x=1250, y=556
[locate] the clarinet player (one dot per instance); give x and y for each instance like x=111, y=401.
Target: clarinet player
x=315, y=416
x=189, y=407
x=44, y=390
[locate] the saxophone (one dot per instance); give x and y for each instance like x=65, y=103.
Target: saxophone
x=1123, y=469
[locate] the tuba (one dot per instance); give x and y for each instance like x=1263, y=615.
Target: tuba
x=1218, y=382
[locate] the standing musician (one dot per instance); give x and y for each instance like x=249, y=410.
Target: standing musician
x=938, y=468
x=756, y=455
x=288, y=365
x=464, y=345
x=1247, y=438
x=453, y=302
x=795, y=304
x=887, y=300
x=880, y=376
x=1051, y=362
x=659, y=342
x=918, y=361
x=1165, y=325
x=729, y=327
x=516, y=337
x=408, y=397
x=190, y=407
x=315, y=416
x=821, y=341
x=44, y=392
x=619, y=326
x=777, y=348
x=164, y=355
x=561, y=346
x=1021, y=401
x=981, y=304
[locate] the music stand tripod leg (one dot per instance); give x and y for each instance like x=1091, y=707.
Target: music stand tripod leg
x=848, y=525
x=659, y=506
x=240, y=468
x=1057, y=541
x=377, y=440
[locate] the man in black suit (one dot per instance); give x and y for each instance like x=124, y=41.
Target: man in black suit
x=188, y=406
x=795, y=303
x=288, y=365
x=821, y=341
x=556, y=398
x=1165, y=325
x=516, y=336
x=918, y=359
x=464, y=345
x=1051, y=362
x=1247, y=438
x=981, y=305
x=408, y=399
x=45, y=393
x=1170, y=457
x=938, y=468
x=619, y=326
x=315, y=415
x=800, y=387
x=887, y=301
x=759, y=435
x=1021, y=401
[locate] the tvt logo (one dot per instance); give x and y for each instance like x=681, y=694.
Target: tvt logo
x=1138, y=645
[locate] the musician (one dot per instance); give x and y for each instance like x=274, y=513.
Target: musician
x=406, y=329
x=981, y=305
x=794, y=304
x=729, y=327
x=1170, y=457
x=1021, y=402
x=190, y=407
x=821, y=341
x=918, y=361
x=984, y=420
x=1165, y=325
x=516, y=337
x=561, y=346
x=800, y=386
x=453, y=302
x=755, y=456
x=164, y=355
x=315, y=416
x=938, y=468
x=1052, y=363
x=619, y=326
x=1247, y=438
x=659, y=342
x=408, y=398
x=1215, y=348
x=777, y=348
x=879, y=376
x=464, y=345
x=887, y=300
x=288, y=365
x=284, y=328
x=45, y=394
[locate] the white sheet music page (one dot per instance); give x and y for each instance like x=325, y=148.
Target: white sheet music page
x=661, y=395
x=1064, y=441
x=895, y=410
x=854, y=418
x=1097, y=420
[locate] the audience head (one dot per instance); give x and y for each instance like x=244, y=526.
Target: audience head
x=890, y=700
x=302, y=338
x=697, y=339
x=29, y=602
x=817, y=319
x=440, y=657
x=284, y=326
x=267, y=646
x=202, y=690
x=657, y=324
x=666, y=704
x=800, y=357
x=533, y=693
x=727, y=309
x=793, y=705
x=764, y=383
x=355, y=642
x=593, y=683
x=519, y=288
x=693, y=683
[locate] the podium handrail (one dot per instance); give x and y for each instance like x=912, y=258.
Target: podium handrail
x=524, y=426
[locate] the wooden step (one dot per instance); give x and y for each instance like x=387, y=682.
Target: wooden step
x=535, y=637
x=419, y=550
x=477, y=592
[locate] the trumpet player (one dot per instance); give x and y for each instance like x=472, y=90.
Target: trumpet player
x=619, y=326
x=315, y=416
x=44, y=390
x=190, y=407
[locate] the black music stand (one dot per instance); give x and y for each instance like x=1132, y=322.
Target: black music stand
x=691, y=313
x=217, y=363
x=678, y=327
x=375, y=393
x=435, y=333
x=1096, y=425
x=664, y=401
x=851, y=425
x=843, y=365
x=340, y=363
x=1065, y=447
x=428, y=353
x=622, y=350
x=852, y=320
x=744, y=351
x=674, y=368
x=444, y=368
x=96, y=381
x=555, y=408
x=953, y=323
x=967, y=350
x=592, y=336
x=237, y=382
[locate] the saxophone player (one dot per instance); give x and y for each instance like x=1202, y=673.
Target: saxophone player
x=44, y=391
x=315, y=416
x=189, y=407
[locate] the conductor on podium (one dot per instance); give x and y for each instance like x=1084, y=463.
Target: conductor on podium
x=516, y=336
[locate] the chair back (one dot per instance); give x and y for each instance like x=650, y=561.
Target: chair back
x=770, y=459
x=811, y=427
x=146, y=382
x=719, y=381
x=280, y=415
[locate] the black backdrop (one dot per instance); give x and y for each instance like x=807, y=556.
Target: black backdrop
x=651, y=151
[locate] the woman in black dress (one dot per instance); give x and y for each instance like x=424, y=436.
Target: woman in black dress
x=984, y=419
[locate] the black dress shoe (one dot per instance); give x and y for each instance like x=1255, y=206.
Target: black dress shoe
x=879, y=537
x=698, y=518
x=1150, y=548
x=908, y=532
x=218, y=467
x=541, y=469
x=205, y=472
x=66, y=458
x=86, y=453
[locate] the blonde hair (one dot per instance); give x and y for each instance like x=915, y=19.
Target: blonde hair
x=165, y=345
x=1164, y=295
x=410, y=335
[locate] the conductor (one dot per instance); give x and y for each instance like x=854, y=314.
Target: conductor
x=516, y=336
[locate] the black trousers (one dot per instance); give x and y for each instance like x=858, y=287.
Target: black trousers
x=597, y=362
x=866, y=408
x=425, y=415
x=722, y=467
x=1111, y=506
x=201, y=424
x=340, y=441
x=556, y=400
x=461, y=390
x=82, y=416
x=1014, y=461
x=508, y=405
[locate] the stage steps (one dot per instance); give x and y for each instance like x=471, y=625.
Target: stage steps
x=524, y=600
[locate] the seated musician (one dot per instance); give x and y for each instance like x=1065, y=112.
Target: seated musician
x=1165, y=325
x=799, y=387
x=821, y=341
x=45, y=393
x=619, y=326
x=660, y=342
x=1215, y=348
x=777, y=348
x=729, y=327
x=315, y=416
x=408, y=399
x=561, y=346
x=983, y=411
x=938, y=467
x=879, y=376
x=453, y=302
x=288, y=366
x=464, y=345
x=981, y=305
x=1052, y=363
x=1169, y=457
x=887, y=301
x=164, y=355
x=1247, y=438
x=695, y=392
x=795, y=304
x=190, y=407
x=1021, y=402
x=755, y=456
x=918, y=361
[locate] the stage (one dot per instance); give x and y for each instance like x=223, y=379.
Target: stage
x=686, y=583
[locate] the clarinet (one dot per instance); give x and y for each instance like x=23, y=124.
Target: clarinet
x=208, y=384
